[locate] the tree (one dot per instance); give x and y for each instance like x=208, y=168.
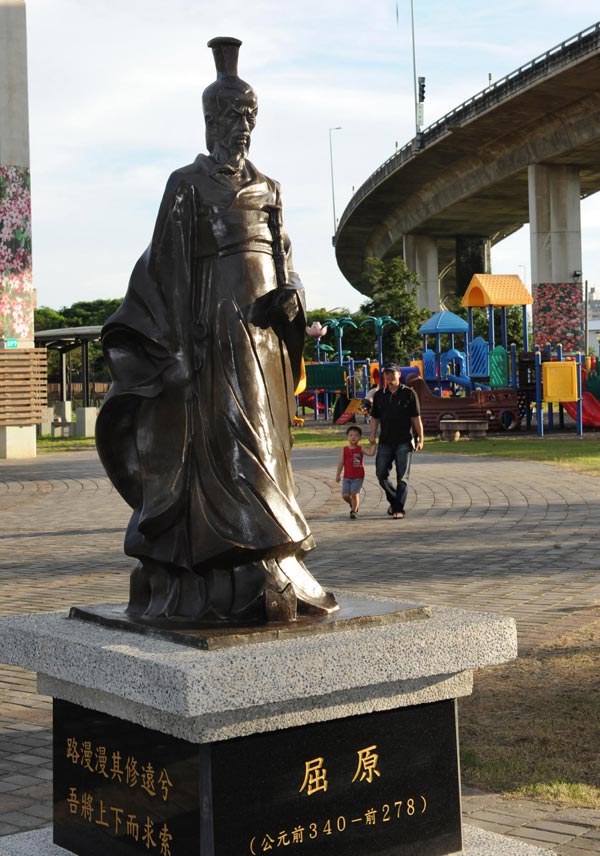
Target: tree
x=83, y=313
x=90, y=313
x=389, y=283
x=45, y=318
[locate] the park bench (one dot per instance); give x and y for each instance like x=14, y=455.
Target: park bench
x=451, y=429
x=62, y=429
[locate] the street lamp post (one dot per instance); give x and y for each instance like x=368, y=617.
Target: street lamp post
x=414, y=59
x=338, y=128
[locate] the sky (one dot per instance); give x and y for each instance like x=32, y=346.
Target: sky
x=115, y=105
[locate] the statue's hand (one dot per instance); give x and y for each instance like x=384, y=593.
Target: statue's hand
x=285, y=305
x=176, y=374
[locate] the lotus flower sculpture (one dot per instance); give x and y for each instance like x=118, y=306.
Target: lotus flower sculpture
x=317, y=330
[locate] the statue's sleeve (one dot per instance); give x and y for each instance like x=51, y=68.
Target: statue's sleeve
x=294, y=332
x=146, y=344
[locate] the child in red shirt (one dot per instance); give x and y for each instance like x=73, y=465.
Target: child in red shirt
x=351, y=462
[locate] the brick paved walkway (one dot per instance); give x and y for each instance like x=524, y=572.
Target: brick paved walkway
x=516, y=538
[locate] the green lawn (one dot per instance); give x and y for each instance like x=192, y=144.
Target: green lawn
x=543, y=711
x=64, y=444
x=581, y=453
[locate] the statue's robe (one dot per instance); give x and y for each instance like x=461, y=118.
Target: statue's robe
x=195, y=430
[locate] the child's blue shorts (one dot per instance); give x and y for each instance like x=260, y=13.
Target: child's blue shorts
x=352, y=485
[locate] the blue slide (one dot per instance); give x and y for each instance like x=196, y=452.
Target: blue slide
x=467, y=382
x=460, y=380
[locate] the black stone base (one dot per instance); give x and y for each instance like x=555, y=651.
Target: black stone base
x=379, y=784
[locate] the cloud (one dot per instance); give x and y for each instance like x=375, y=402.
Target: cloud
x=115, y=104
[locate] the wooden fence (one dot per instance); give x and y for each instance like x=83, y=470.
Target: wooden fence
x=23, y=387
x=97, y=392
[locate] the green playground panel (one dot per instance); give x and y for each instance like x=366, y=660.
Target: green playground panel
x=593, y=384
x=325, y=376
x=499, y=374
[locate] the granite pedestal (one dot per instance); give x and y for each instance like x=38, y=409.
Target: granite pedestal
x=346, y=735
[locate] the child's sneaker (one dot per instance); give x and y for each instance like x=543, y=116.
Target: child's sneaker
x=353, y=515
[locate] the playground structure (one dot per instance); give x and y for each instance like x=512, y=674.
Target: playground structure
x=495, y=381
x=344, y=385
x=462, y=376
x=347, y=388
x=573, y=382
x=499, y=406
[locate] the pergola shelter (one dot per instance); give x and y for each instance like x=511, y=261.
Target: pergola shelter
x=64, y=341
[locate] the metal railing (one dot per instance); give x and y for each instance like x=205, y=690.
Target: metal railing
x=583, y=44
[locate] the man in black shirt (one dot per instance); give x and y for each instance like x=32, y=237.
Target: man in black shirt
x=396, y=409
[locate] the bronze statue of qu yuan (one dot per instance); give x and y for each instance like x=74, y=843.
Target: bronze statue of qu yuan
x=205, y=354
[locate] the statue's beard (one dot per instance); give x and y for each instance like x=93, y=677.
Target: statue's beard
x=237, y=156
x=233, y=156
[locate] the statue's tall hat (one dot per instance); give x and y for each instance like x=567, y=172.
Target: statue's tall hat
x=225, y=52
x=228, y=87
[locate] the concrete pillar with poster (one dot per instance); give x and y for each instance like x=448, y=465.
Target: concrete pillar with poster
x=22, y=366
x=556, y=276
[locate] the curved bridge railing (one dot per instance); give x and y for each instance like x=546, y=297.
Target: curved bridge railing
x=584, y=43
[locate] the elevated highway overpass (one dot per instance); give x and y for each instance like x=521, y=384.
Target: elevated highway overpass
x=524, y=150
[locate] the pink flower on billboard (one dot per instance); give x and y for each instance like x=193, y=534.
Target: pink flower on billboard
x=558, y=315
x=16, y=285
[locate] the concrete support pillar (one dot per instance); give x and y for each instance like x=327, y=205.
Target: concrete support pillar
x=421, y=256
x=555, y=228
x=14, y=124
x=17, y=441
x=16, y=286
x=86, y=421
x=473, y=255
x=555, y=223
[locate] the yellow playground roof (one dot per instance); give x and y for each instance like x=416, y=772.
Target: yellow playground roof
x=488, y=289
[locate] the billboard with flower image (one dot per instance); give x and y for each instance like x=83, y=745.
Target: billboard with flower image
x=558, y=315
x=16, y=286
